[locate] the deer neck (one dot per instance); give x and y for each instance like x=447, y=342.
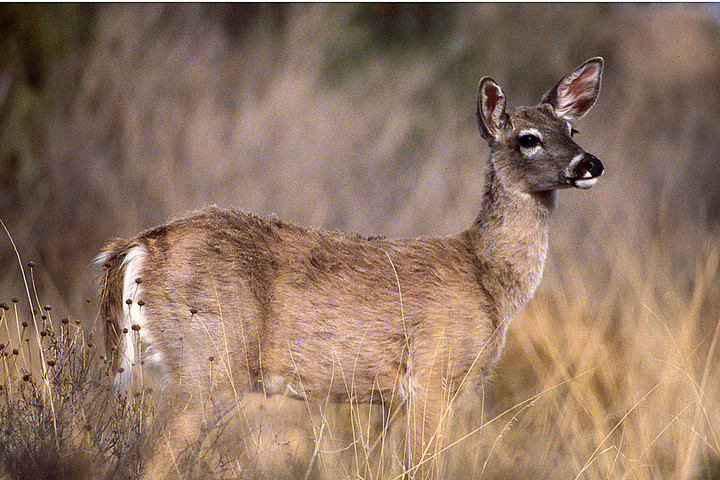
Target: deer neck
x=509, y=239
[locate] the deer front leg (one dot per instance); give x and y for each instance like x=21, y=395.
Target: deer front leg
x=428, y=410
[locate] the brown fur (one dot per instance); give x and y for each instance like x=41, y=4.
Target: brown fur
x=324, y=315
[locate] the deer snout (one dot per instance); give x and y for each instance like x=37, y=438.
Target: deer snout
x=584, y=170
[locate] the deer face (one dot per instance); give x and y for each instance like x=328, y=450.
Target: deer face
x=533, y=148
x=539, y=154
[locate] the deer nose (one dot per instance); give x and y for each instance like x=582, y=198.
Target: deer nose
x=591, y=165
x=585, y=171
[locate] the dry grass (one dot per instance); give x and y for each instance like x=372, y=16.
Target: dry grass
x=60, y=419
x=318, y=114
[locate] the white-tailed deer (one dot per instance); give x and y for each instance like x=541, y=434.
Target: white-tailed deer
x=324, y=316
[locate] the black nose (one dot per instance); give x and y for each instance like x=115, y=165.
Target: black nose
x=591, y=165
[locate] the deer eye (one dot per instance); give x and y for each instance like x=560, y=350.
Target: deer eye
x=528, y=141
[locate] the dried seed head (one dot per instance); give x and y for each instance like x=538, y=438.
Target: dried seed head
x=77, y=322
x=47, y=308
x=4, y=306
x=141, y=303
x=136, y=327
x=15, y=300
x=124, y=330
x=31, y=264
x=128, y=301
x=26, y=377
x=43, y=316
x=121, y=370
x=51, y=363
x=16, y=351
x=138, y=281
x=193, y=310
x=65, y=321
x=43, y=333
x=24, y=323
x=107, y=264
x=211, y=358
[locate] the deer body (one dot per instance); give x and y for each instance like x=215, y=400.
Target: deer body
x=326, y=316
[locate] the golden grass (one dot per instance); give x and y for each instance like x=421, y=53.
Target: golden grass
x=626, y=376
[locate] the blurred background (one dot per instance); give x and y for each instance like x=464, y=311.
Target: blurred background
x=361, y=117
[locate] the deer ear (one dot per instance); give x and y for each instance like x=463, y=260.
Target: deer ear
x=573, y=96
x=490, y=109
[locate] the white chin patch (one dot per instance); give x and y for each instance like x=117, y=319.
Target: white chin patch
x=584, y=182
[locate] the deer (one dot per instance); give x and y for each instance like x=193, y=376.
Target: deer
x=326, y=316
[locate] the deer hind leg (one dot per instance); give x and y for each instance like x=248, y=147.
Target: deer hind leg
x=173, y=435
x=184, y=435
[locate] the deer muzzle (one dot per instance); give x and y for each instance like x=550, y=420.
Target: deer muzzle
x=584, y=170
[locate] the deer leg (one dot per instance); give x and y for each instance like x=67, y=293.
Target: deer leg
x=427, y=418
